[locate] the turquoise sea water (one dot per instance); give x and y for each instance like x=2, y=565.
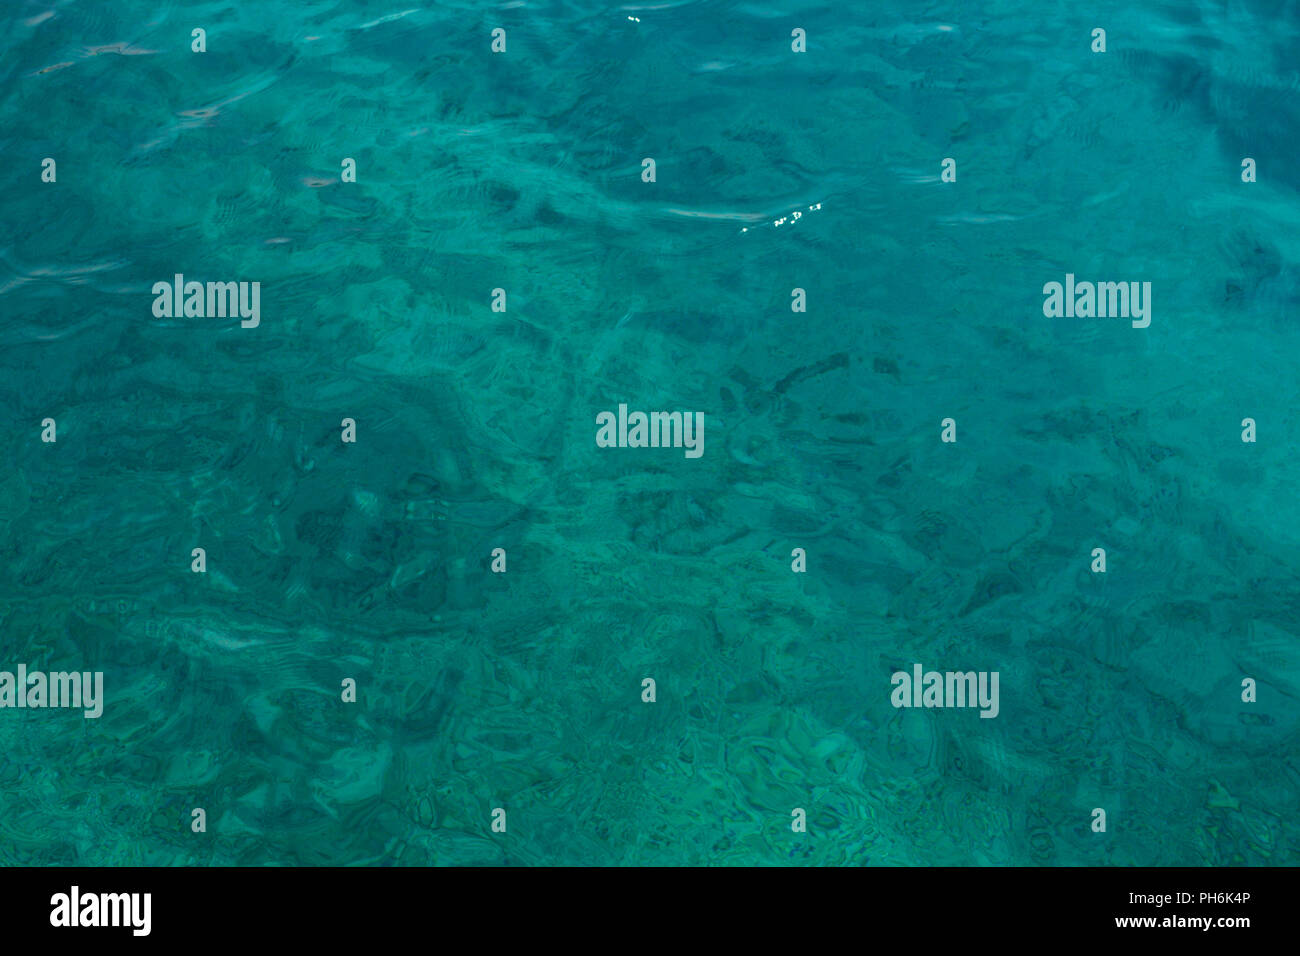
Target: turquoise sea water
x=476, y=430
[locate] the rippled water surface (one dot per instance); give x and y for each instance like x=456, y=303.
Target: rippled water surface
x=522, y=171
